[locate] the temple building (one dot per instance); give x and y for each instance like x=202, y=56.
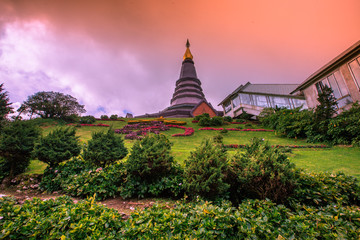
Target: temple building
x=188, y=99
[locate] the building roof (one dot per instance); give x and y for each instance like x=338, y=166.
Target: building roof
x=345, y=56
x=265, y=89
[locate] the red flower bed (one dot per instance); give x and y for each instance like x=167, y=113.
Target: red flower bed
x=278, y=146
x=95, y=125
x=194, y=121
x=188, y=131
x=236, y=129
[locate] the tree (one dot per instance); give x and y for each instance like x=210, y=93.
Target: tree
x=5, y=108
x=104, y=148
x=58, y=146
x=16, y=145
x=51, y=105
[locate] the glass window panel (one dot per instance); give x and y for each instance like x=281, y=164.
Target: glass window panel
x=299, y=103
x=236, y=101
x=260, y=101
x=355, y=69
x=334, y=86
x=319, y=87
x=341, y=83
x=325, y=83
x=245, y=98
x=344, y=101
x=280, y=102
x=227, y=106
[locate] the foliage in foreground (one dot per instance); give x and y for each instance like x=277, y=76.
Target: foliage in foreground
x=253, y=219
x=5, y=105
x=58, y=146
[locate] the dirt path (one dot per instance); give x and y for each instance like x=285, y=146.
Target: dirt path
x=123, y=206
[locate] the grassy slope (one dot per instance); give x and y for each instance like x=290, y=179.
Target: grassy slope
x=335, y=159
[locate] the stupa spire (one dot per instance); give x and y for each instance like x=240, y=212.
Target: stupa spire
x=187, y=52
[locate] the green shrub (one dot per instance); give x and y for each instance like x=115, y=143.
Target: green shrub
x=17, y=140
x=345, y=128
x=228, y=119
x=205, y=121
x=58, y=146
x=151, y=169
x=204, y=115
x=104, y=182
x=87, y=119
x=217, y=121
x=104, y=148
x=244, y=115
x=322, y=189
x=261, y=172
x=218, y=139
x=205, y=171
x=114, y=117
x=105, y=117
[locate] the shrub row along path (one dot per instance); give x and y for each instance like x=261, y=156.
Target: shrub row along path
x=124, y=207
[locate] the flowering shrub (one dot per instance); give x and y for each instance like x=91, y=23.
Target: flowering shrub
x=143, y=128
x=188, y=131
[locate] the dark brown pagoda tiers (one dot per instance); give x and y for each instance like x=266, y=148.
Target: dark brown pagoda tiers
x=188, y=94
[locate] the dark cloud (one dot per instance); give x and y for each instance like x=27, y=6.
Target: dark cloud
x=126, y=55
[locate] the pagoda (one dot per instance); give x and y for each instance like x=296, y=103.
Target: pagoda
x=188, y=99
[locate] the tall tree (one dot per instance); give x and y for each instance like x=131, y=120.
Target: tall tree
x=51, y=105
x=5, y=108
x=17, y=141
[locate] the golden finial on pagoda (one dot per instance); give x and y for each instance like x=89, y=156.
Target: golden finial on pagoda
x=187, y=52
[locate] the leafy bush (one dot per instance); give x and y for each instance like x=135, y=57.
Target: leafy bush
x=261, y=172
x=55, y=178
x=17, y=140
x=104, y=148
x=58, y=146
x=228, y=119
x=104, y=182
x=58, y=219
x=87, y=119
x=345, y=128
x=151, y=169
x=105, y=117
x=205, y=171
x=253, y=219
x=244, y=115
x=114, y=117
x=322, y=189
x=205, y=121
x=204, y=115
x=217, y=121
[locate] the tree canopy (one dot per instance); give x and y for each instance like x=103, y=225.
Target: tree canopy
x=51, y=105
x=5, y=108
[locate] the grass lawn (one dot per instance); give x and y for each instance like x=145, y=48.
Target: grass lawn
x=335, y=159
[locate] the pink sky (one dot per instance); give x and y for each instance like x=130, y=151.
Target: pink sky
x=119, y=56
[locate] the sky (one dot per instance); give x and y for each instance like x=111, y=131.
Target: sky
x=119, y=56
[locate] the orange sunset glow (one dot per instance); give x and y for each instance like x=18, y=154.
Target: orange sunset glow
x=125, y=55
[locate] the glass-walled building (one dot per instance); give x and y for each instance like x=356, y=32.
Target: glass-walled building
x=342, y=75
x=253, y=98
